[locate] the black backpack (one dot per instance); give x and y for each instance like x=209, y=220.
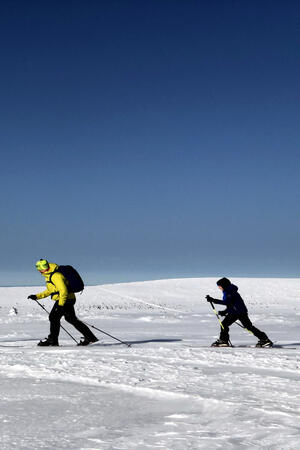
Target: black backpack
x=75, y=282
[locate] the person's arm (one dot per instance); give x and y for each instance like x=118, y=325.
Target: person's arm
x=43, y=294
x=218, y=302
x=214, y=300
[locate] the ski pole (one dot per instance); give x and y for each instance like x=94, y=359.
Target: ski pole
x=60, y=325
x=215, y=311
x=242, y=326
x=104, y=332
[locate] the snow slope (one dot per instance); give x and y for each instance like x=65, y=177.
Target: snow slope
x=169, y=390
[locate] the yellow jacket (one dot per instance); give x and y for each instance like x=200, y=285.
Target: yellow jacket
x=59, y=289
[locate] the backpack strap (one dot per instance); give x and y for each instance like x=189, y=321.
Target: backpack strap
x=50, y=281
x=51, y=275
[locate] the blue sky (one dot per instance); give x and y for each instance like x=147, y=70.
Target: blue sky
x=151, y=139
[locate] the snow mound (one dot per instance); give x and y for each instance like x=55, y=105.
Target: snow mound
x=168, y=390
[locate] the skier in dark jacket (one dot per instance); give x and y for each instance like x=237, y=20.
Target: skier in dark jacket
x=236, y=310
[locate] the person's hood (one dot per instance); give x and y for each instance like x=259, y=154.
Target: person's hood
x=232, y=289
x=53, y=268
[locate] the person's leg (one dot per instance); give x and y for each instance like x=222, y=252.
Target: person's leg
x=55, y=316
x=70, y=316
x=229, y=320
x=246, y=322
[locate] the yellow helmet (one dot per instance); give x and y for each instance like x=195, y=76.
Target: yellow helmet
x=42, y=264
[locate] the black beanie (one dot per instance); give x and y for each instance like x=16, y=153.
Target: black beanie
x=224, y=283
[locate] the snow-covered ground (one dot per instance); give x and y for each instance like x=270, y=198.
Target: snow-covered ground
x=169, y=390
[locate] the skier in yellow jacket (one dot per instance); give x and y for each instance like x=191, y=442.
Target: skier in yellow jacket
x=57, y=288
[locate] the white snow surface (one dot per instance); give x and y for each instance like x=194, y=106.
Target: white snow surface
x=169, y=390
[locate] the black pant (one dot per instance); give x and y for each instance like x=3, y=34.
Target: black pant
x=245, y=321
x=68, y=312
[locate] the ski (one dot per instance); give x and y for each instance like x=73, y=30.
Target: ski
x=276, y=347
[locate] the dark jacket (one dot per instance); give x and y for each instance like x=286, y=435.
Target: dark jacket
x=232, y=299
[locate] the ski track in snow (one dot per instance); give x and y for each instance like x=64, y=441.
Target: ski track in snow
x=169, y=390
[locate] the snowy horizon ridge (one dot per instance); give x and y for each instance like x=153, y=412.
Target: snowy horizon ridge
x=170, y=389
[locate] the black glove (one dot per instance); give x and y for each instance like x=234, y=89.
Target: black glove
x=32, y=297
x=209, y=298
x=222, y=313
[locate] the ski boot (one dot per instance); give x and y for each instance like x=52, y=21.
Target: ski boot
x=48, y=342
x=264, y=343
x=87, y=341
x=220, y=343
